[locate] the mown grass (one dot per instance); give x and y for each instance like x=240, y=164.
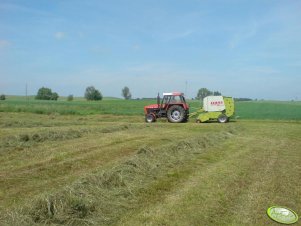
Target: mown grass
x=235, y=183
x=104, y=197
x=259, y=110
x=118, y=170
x=31, y=148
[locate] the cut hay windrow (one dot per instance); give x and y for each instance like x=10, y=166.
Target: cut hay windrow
x=28, y=139
x=104, y=197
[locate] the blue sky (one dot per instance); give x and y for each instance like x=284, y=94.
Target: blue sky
x=241, y=48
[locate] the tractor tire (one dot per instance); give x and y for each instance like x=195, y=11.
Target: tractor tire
x=150, y=118
x=176, y=114
x=222, y=118
x=186, y=117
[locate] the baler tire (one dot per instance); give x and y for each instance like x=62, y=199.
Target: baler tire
x=150, y=118
x=176, y=114
x=222, y=118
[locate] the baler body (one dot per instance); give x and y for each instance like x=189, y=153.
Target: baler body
x=217, y=108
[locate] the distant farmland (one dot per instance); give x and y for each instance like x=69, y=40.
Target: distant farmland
x=263, y=110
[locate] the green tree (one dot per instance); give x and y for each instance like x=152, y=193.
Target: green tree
x=203, y=92
x=2, y=97
x=54, y=96
x=126, y=93
x=70, y=97
x=46, y=94
x=217, y=93
x=92, y=93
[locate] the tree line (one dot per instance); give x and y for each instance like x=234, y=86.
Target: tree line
x=91, y=93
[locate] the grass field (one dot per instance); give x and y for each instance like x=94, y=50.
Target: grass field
x=112, y=169
x=263, y=110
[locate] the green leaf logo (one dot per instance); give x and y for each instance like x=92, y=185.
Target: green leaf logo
x=282, y=215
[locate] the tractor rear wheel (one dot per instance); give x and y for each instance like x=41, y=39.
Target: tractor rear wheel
x=176, y=114
x=186, y=117
x=222, y=118
x=150, y=118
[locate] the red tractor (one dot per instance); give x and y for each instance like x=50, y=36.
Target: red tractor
x=173, y=107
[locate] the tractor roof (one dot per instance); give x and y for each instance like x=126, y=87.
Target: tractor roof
x=173, y=94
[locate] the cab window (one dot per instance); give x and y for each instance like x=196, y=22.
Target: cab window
x=176, y=99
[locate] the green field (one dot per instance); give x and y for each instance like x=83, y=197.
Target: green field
x=263, y=110
x=99, y=163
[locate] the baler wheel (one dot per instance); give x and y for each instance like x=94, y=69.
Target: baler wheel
x=222, y=118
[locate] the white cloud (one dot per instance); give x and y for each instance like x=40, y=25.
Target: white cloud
x=4, y=43
x=60, y=35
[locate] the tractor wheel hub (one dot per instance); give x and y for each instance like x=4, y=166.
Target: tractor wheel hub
x=176, y=115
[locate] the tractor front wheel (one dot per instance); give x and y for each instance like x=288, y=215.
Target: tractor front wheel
x=176, y=114
x=222, y=118
x=150, y=118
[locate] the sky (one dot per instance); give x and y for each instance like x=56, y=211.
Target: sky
x=241, y=48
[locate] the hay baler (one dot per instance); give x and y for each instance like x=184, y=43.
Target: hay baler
x=218, y=108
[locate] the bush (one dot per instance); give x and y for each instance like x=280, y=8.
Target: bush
x=92, y=93
x=46, y=94
x=2, y=97
x=70, y=98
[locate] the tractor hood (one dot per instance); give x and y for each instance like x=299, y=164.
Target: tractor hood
x=151, y=106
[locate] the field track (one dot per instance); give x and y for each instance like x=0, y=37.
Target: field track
x=118, y=170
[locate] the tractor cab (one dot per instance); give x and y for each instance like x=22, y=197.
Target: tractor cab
x=173, y=106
